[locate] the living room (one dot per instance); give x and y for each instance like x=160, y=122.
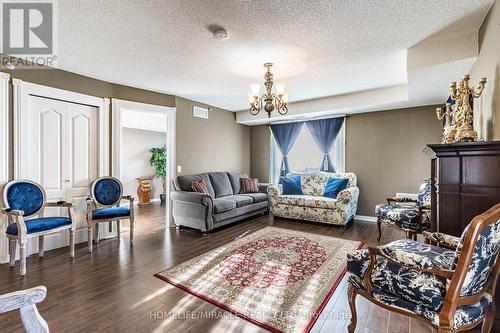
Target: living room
x=194, y=168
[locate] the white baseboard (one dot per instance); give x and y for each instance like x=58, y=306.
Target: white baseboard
x=365, y=218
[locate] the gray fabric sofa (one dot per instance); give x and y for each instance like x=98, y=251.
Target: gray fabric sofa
x=224, y=204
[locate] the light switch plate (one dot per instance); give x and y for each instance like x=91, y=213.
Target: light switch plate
x=179, y=169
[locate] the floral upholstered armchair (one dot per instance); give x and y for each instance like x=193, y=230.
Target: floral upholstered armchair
x=311, y=205
x=411, y=216
x=451, y=287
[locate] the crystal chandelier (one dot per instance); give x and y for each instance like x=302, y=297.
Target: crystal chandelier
x=269, y=101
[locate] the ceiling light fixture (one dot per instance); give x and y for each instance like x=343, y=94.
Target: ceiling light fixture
x=221, y=34
x=269, y=101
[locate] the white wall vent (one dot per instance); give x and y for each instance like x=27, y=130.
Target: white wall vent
x=200, y=112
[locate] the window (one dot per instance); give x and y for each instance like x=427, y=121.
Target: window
x=305, y=155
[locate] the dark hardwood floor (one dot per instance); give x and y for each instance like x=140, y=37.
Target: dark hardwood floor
x=113, y=288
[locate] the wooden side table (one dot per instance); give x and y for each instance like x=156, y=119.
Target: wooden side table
x=144, y=190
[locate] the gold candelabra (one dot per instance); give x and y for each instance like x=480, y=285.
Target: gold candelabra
x=459, y=118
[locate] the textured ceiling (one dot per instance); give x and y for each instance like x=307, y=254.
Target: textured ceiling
x=320, y=47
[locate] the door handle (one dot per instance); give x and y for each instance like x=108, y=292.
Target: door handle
x=66, y=180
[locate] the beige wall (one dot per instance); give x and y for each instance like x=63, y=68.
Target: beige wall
x=61, y=79
x=259, y=152
x=136, y=144
x=383, y=148
x=202, y=145
x=487, y=120
x=214, y=144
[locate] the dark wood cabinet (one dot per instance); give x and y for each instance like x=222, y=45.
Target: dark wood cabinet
x=466, y=183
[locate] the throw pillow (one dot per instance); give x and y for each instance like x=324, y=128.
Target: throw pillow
x=249, y=185
x=199, y=186
x=291, y=185
x=334, y=186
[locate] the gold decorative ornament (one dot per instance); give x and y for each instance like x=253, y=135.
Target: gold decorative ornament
x=459, y=118
x=449, y=129
x=269, y=101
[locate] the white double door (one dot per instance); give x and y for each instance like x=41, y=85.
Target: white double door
x=63, y=151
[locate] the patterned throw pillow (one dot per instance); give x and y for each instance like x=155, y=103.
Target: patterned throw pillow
x=199, y=186
x=249, y=185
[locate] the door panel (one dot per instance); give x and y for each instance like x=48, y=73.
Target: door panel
x=82, y=156
x=63, y=151
x=46, y=157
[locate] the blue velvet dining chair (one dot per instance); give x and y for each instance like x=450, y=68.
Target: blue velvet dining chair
x=104, y=206
x=25, y=203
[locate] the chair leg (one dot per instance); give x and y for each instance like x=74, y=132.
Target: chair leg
x=12, y=252
x=97, y=233
x=41, y=241
x=379, y=227
x=351, y=292
x=71, y=243
x=22, y=255
x=119, y=229
x=489, y=319
x=408, y=234
x=415, y=236
x=132, y=231
x=89, y=235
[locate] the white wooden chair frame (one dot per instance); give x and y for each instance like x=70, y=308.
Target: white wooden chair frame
x=93, y=204
x=25, y=301
x=16, y=216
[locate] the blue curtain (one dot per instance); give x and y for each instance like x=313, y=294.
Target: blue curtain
x=324, y=132
x=285, y=136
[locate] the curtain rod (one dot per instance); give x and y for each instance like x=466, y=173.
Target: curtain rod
x=306, y=120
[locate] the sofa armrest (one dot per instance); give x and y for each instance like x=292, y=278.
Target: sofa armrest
x=194, y=198
x=263, y=187
x=347, y=201
x=274, y=192
x=348, y=195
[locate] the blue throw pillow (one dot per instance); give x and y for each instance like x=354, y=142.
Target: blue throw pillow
x=291, y=185
x=334, y=186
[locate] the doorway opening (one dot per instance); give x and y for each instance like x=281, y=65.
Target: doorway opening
x=137, y=129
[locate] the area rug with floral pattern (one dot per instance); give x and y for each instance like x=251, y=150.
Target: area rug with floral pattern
x=277, y=278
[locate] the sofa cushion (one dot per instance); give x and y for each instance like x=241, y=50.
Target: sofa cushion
x=307, y=201
x=256, y=197
x=234, y=178
x=314, y=183
x=221, y=184
x=223, y=205
x=186, y=181
x=334, y=186
x=291, y=185
x=240, y=200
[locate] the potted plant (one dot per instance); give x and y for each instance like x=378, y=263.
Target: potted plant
x=158, y=162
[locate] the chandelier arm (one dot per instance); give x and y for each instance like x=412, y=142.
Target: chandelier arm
x=285, y=110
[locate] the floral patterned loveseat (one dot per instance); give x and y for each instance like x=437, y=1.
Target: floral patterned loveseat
x=312, y=205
